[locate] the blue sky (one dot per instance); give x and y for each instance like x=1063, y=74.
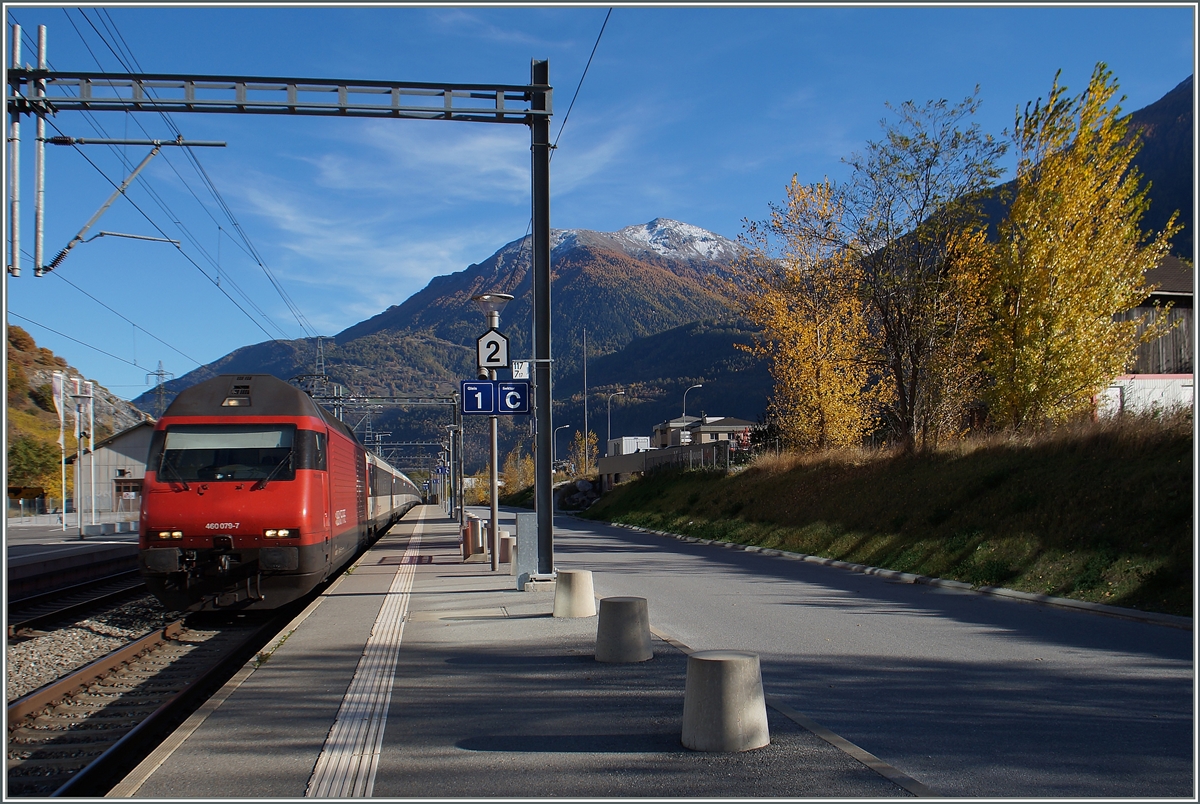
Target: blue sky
x=692, y=113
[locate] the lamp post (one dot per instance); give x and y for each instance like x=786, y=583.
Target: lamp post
x=443, y=469
x=491, y=304
x=610, y=396
x=685, y=393
x=554, y=445
x=456, y=470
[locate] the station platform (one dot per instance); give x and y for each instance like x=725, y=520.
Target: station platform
x=41, y=558
x=419, y=675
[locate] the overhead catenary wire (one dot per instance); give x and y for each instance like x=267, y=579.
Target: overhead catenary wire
x=129, y=66
x=185, y=255
x=120, y=315
x=249, y=248
x=174, y=218
x=579, y=86
x=125, y=319
x=567, y=116
x=76, y=340
x=162, y=205
x=305, y=327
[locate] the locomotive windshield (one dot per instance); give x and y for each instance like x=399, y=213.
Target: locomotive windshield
x=207, y=452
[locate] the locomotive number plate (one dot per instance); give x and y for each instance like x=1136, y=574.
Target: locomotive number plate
x=222, y=525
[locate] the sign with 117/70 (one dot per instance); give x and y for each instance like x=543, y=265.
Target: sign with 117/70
x=495, y=397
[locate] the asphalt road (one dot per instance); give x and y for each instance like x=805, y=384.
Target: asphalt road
x=970, y=694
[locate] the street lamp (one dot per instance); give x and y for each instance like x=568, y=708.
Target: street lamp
x=491, y=304
x=685, y=399
x=610, y=396
x=554, y=446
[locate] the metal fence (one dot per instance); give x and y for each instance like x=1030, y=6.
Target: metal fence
x=49, y=510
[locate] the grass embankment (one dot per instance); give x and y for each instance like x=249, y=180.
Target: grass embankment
x=1101, y=513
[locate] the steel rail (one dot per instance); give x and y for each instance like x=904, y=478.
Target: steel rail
x=42, y=597
x=99, y=776
x=68, y=685
x=37, y=620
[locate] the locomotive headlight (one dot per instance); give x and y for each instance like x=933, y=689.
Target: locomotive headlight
x=280, y=533
x=170, y=534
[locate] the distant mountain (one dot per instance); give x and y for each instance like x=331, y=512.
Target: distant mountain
x=654, y=371
x=623, y=288
x=1165, y=160
x=617, y=285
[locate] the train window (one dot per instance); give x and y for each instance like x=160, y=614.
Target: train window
x=208, y=452
x=156, y=445
x=310, y=450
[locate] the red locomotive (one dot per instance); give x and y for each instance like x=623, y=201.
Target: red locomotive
x=254, y=494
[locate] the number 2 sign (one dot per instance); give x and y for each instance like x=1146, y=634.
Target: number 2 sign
x=492, y=350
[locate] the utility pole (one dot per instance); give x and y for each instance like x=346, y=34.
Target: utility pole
x=161, y=390
x=585, y=401
x=14, y=184
x=539, y=125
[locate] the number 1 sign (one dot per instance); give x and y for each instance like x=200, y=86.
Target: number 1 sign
x=478, y=397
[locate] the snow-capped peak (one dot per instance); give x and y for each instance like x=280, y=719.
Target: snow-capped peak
x=676, y=239
x=661, y=236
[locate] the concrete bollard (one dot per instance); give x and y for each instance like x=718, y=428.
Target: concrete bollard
x=506, y=547
x=723, y=704
x=465, y=539
x=623, y=632
x=573, y=595
x=477, y=544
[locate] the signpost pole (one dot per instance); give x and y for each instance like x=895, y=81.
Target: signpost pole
x=493, y=535
x=492, y=353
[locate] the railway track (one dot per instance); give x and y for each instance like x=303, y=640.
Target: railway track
x=81, y=734
x=38, y=611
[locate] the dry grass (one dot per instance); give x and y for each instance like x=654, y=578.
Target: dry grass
x=1097, y=511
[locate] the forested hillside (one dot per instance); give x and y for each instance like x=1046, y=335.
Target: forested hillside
x=32, y=438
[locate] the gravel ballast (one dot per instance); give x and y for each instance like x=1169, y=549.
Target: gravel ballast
x=34, y=663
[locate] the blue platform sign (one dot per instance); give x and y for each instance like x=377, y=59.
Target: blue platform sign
x=496, y=398
x=479, y=396
x=513, y=397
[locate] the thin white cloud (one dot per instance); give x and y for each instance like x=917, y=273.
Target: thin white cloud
x=429, y=162
x=354, y=265
x=460, y=21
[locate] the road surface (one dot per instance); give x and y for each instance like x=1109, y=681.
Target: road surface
x=970, y=694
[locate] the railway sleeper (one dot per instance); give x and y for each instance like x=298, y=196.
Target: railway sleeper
x=94, y=707
x=90, y=701
x=60, y=743
x=142, y=678
x=40, y=763
x=59, y=725
x=29, y=739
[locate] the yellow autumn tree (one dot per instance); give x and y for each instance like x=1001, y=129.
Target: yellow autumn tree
x=1071, y=256
x=800, y=283
x=583, y=464
x=518, y=471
